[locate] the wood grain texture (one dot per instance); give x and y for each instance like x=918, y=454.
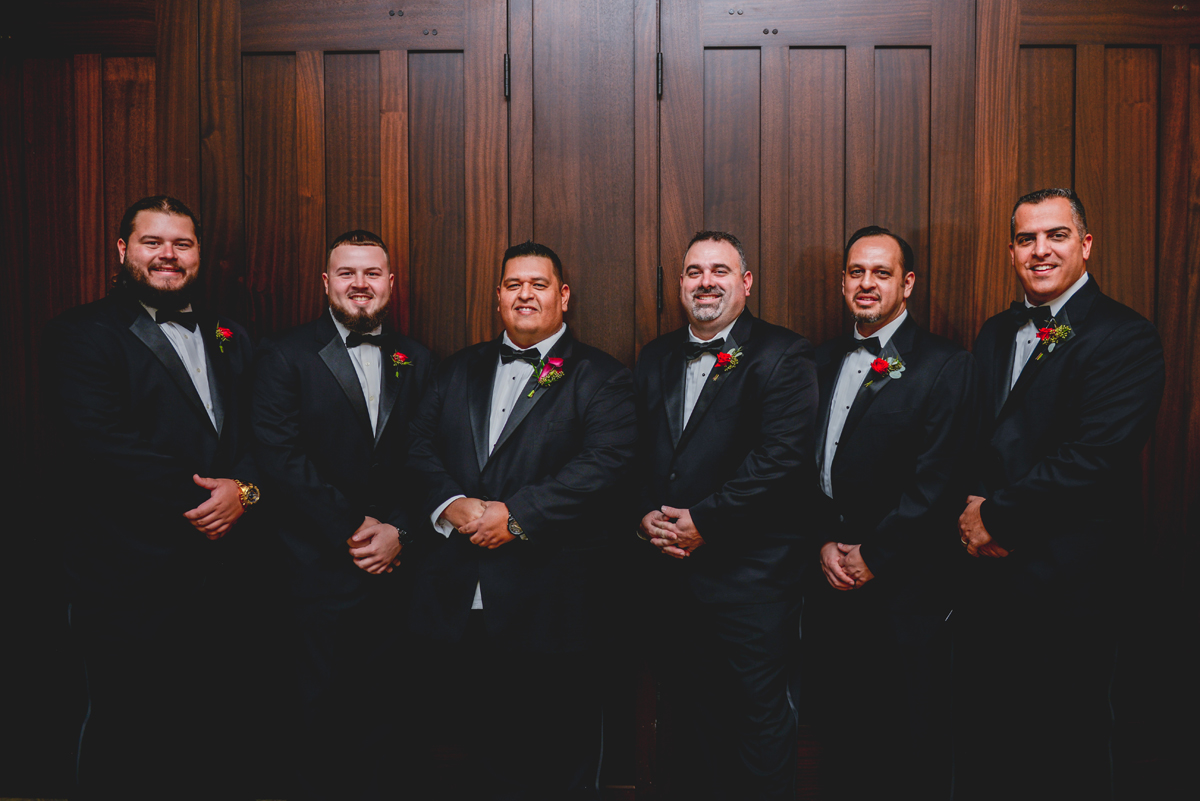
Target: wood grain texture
x=292, y=25
x=1186, y=318
x=393, y=178
x=351, y=142
x=438, y=221
x=645, y=181
x=860, y=138
x=1045, y=103
x=485, y=167
x=67, y=27
x=130, y=135
x=584, y=188
x=732, y=141
x=818, y=190
x=92, y=242
x=902, y=158
x=816, y=23
x=1112, y=21
x=773, y=263
x=177, y=101
x=1130, y=172
x=272, y=241
x=1090, y=129
x=308, y=295
x=520, y=120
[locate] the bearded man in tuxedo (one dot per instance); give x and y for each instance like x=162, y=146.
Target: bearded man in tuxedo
x=521, y=442
x=1071, y=384
x=151, y=402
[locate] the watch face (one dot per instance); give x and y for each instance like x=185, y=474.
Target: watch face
x=251, y=494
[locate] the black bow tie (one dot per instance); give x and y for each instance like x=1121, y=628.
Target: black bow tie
x=532, y=356
x=870, y=344
x=354, y=339
x=694, y=350
x=1023, y=314
x=186, y=319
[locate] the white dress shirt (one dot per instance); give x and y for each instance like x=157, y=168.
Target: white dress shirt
x=850, y=377
x=190, y=347
x=510, y=380
x=1026, y=336
x=697, y=371
x=368, y=366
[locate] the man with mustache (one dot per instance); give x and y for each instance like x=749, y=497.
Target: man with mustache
x=332, y=403
x=150, y=398
x=896, y=421
x=521, y=442
x=725, y=410
x=1071, y=382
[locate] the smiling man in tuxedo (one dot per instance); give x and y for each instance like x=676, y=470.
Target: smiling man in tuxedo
x=725, y=410
x=332, y=404
x=1071, y=384
x=895, y=431
x=149, y=398
x=521, y=442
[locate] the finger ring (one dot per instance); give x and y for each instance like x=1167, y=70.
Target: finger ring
x=964, y=541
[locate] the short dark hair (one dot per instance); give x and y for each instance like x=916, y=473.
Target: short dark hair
x=718, y=236
x=531, y=248
x=357, y=237
x=162, y=203
x=1033, y=198
x=907, y=263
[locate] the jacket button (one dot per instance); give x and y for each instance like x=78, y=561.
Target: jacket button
x=672, y=476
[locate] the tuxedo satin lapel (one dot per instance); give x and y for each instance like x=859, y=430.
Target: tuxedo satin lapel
x=872, y=385
x=533, y=392
x=1037, y=360
x=391, y=386
x=220, y=381
x=144, y=328
x=672, y=380
x=338, y=361
x=482, y=372
x=1003, y=365
x=827, y=380
x=713, y=384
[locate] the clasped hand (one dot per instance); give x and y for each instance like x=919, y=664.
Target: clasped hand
x=672, y=531
x=484, y=522
x=972, y=533
x=375, y=546
x=217, y=515
x=843, y=566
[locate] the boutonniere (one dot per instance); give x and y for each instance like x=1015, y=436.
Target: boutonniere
x=400, y=360
x=892, y=367
x=223, y=336
x=728, y=361
x=552, y=370
x=1054, y=334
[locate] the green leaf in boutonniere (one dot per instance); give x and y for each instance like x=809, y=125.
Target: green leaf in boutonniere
x=728, y=361
x=892, y=367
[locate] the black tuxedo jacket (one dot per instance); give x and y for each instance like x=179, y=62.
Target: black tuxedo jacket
x=1060, y=455
x=900, y=472
x=133, y=432
x=556, y=466
x=743, y=465
x=324, y=468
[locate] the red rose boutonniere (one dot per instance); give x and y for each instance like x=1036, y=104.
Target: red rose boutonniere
x=892, y=367
x=1052, y=335
x=223, y=336
x=552, y=370
x=728, y=361
x=400, y=360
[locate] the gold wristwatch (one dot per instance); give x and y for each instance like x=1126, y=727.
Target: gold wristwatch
x=248, y=494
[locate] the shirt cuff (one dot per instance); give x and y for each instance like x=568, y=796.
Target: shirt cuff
x=443, y=527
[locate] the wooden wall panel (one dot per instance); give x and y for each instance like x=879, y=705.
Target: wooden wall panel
x=93, y=243
x=130, y=146
x=351, y=142
x=393, y=179
x=731, y=149
x=817, y=176
x=646, y=170
x=860, y=138
x=310, y=202
x=438, y=226
x=520, y=113
x=772, y=280
x=902, y=157
x=177, y=103
x=292, y=25
x=1045, y=105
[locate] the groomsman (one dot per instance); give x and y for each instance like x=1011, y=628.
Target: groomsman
x=332, y=403
x=521, y=442
x=151, y=399
x=1071, y=383
x=725, y=408
x=894, y=437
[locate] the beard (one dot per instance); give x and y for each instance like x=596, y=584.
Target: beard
x=706, y=314
x=137, y=282
x=360, y=322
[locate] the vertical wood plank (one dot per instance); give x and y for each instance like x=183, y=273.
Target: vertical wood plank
x=1089, y=142
x=177, y=102
x=645, y=178
x=860, y=138
x=1191, y=313
x=817, y=196
x=307, y=291
x=520, y=119
x=393, y=166
x=351, y=142
x=773, y=264
x=485, y=170
x=93, y=243
x=996, y=143
x=1046, y=149
x=130, y=144
x=902, y=157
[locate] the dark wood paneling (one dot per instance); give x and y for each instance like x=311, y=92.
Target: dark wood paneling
x=124, y=27
x=816, y=22
x=351, y=142
x=731, y=149
x=272, y=251
x=1045, y=103
x=645, y=179
x=92, y=242
x=1125, y=21
x=772, y=263
x=177, y=105
x=310, y=202
x=1185, y=328
x=902, y=157
x=274, y=25
x=438, y=225
x=1130, y=170
x=860, y=138
x=1090, y=129
x=130, y=145
x=583, y=161
x=520, y=116
x=393, y=179
x=817, y=177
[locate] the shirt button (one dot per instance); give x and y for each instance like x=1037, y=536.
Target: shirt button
x=372, y=398
x=185, y=336
x=368, y=364
x=197, y=369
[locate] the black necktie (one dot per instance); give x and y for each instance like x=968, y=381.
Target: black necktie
x=1023, y=314
x=531, y=357
x=871, y=344
x=694, y=350
x=186, y=319
x=354, y=339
